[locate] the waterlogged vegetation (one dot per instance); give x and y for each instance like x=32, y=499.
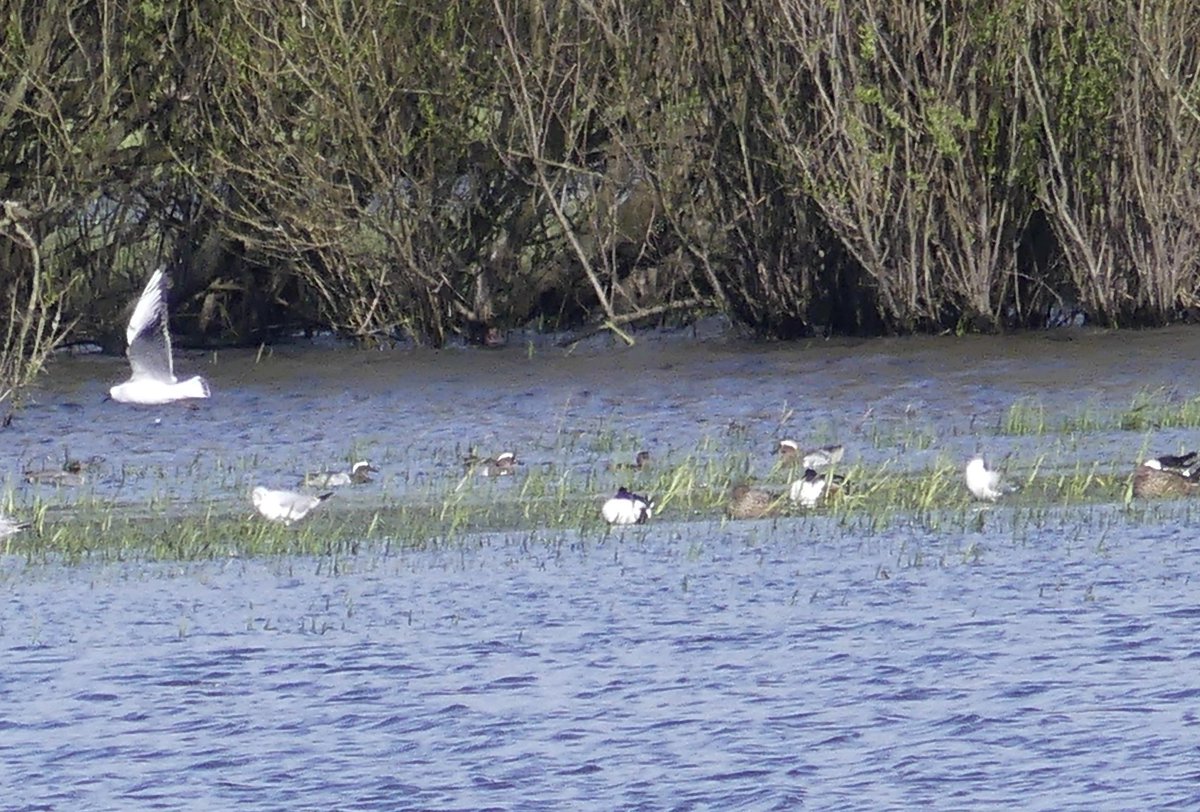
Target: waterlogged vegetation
x=447, y=507
x=1149, y=409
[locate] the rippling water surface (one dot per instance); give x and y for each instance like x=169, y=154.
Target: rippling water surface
x=685, y=665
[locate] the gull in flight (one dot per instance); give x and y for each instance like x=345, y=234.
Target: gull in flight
x=153, y=380
x=285, y=506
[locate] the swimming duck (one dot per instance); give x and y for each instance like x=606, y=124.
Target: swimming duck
x=70, y=474
x=641, y=462
x=504, y=464
x=813, y=486
x=285, y=506
x=814, y=458
x=627, y=508
x=984, y=483
x=1167, y=475
x=747, y=502
x=359, y=474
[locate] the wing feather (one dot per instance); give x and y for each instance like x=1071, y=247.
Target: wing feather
x=148, y=334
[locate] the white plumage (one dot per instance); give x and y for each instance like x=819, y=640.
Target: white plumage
x=153, y=380
x=285, y=506
x=627, y=508
x=984, y=483
x=810, y=488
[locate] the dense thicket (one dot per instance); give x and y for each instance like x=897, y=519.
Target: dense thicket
x=431, y=168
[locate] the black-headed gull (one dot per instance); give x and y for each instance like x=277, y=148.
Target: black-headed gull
x=153, y=380
x=285, y=506
x=984, y=483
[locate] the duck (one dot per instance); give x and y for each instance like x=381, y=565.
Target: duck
x=285, y=506
x=627, y=508
x=814, y=486
x=70, y=474
x=814, y=458
x=359, y=474
x=749, y=502
x=1168, y=475
x=984, y=483
x=9, y=526
x=503, y=464
x=641, y=462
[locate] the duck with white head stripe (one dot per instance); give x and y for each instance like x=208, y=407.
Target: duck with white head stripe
x=359, y=474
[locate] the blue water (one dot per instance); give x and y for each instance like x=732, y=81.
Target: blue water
x=751, y=665
x=690, y=664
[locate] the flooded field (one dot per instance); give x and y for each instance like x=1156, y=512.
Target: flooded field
x=887, y=651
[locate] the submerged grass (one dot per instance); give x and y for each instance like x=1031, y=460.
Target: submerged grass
x=1159, y=408
x=418, y=509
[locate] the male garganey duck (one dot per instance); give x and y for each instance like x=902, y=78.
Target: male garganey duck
x=504, y=464
x=359, y=474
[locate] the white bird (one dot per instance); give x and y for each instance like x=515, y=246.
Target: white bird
x=359, y=474
x=627, y=508
x=153, y=380
x=8, y=526
x=808, y=489
x=984, y=483
x=285, y=506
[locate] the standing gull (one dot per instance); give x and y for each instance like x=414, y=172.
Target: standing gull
x=285, y=506
x=153, y=380
x=984, y=483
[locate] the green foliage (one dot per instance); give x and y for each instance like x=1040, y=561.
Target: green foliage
x=421, y=168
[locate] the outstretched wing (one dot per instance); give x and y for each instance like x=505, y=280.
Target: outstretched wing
x=149, y=340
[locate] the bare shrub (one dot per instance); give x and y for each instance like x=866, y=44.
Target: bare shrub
x=35, y=325
x=896, y=120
